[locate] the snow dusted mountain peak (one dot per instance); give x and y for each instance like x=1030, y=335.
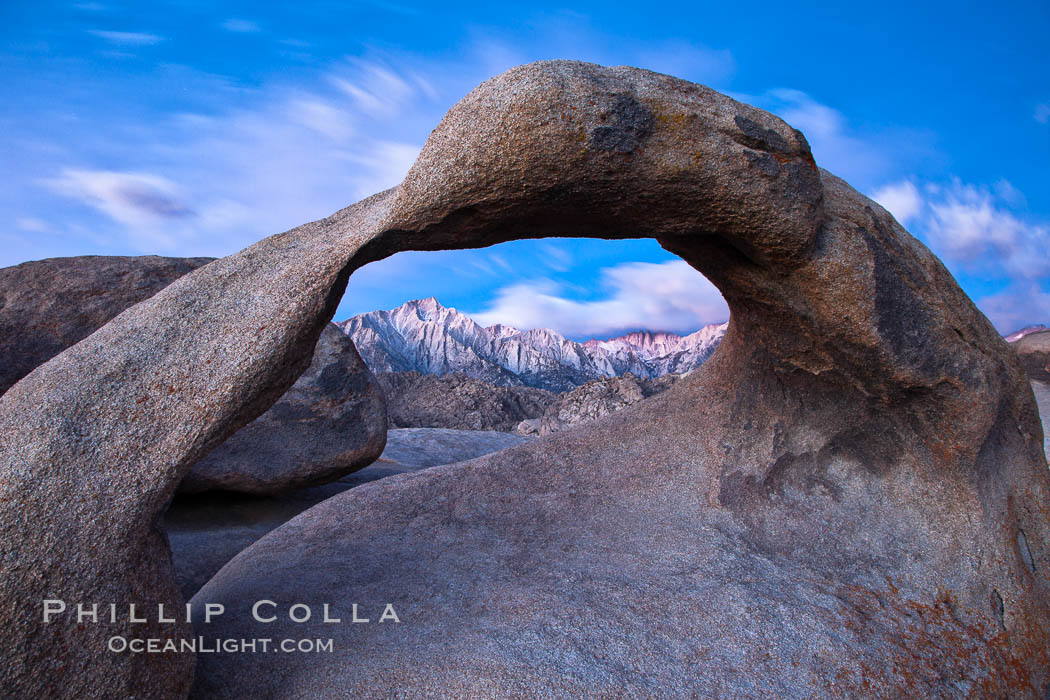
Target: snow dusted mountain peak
x=502, y=331
x=424, y=336
x=427, y=308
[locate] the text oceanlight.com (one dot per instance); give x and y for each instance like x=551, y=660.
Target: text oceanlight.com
x=203, y=645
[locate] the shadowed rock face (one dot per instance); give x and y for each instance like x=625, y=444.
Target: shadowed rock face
x=48, y=305
x=207, y=530
x=330, y=423
x=847, y=497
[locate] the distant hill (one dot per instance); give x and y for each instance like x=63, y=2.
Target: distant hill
x=1027, y=330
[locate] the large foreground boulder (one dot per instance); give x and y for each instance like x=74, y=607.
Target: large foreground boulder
x=48, y=305
x=848, y=498
x=207, y=530
x=330, y=423
x=1042, y=399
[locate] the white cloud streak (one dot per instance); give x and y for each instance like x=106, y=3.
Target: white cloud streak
x=972, y=225
x=127, y=38
x=657, y=296
x=240, y=26
x=142, y=202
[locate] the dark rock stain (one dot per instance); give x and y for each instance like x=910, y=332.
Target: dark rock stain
x=1026, y=552
x=630, y=122
x=764, y=162
x=998, y=609
x=902, y=319
x=754, y=135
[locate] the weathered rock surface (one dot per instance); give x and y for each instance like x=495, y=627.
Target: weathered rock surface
x=1034, y=351
x=594, y=400
x=48, y=305
x=848, y=497
x=1042, y=399
x=94, y=442
x=458, y=402
x=207, y=530
x=424, y=336
x=330, y=423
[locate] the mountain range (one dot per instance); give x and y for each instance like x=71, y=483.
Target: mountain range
x=424, y=336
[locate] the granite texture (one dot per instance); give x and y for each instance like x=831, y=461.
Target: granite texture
x=48, y=305
x=330, y=423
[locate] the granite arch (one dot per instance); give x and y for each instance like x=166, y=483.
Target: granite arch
x=861, y=417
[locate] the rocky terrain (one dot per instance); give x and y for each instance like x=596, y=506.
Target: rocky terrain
x=1034, y=351
x=1041, y=390
x=424, y=336
x=593, y=400
x=457, y=401
x=848, y=499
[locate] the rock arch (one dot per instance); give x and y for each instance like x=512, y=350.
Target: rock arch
x=857, y=473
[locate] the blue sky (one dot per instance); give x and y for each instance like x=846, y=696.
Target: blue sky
x=197, y=128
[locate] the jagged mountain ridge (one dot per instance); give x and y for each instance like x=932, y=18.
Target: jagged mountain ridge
x=424, y=336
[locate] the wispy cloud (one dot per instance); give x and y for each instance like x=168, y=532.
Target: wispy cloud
x=557, y=258
x=972, y=225
x=378, y=90
x=967, y=223
x=240, y=26
x=1042, y=113
x=659, y=296
x=902, y=199
x=127, y=38
x=322, y=116
x=1017, y=306
x=214, y=183
x=142, y=202
x=383, y=164
x=976, y=230
x=32, y=224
